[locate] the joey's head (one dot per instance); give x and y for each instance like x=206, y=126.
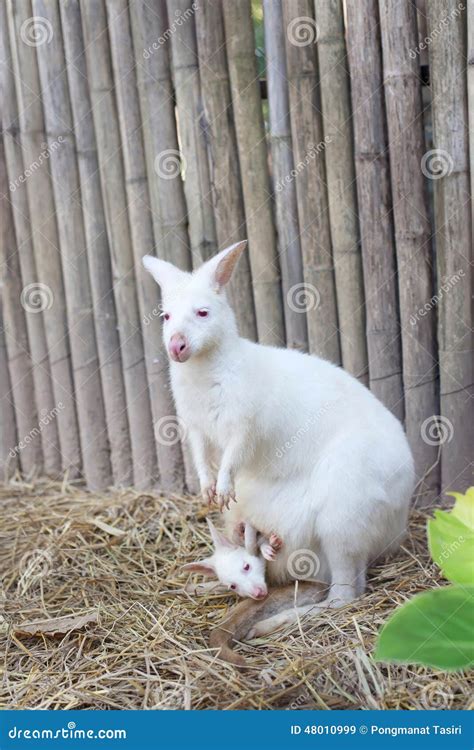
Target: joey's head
x=233, y=566
x=196, y=315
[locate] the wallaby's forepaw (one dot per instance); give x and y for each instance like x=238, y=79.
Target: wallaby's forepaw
x=224, y=499
x=208, y=493
x=268, y=553
x=275, y=542
x=271, y=548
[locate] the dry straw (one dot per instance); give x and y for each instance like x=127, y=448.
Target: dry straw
x=114, y=560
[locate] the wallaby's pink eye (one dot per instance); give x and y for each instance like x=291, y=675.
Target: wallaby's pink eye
x=166, y=316
x=233, y=586
x=246, y=567
x=203, y=313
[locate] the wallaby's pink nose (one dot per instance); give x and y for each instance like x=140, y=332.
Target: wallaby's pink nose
x=178, y=348
x=259, y=592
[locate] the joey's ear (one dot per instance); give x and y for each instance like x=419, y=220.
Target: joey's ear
x=219, y=539
x=221, y=266
x=205, y=566
x=164, y=273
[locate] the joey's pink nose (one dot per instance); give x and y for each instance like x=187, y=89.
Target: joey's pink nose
x=178, y=348
x=259, y=592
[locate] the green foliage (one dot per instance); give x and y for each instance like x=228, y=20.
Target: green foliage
x=435, y=628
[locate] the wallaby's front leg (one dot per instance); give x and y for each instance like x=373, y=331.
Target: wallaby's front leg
x=231, y=461
x=200, y=451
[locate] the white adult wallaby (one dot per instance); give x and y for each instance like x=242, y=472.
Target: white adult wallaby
x=307, y=451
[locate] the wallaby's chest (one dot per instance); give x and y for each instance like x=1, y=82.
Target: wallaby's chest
x=209, y=406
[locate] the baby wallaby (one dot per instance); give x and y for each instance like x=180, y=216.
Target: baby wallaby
x=239, y=568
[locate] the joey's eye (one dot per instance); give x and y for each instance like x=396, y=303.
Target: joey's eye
x=166, y=316
x=233, y=586
x=203, y=313
x=246, y=567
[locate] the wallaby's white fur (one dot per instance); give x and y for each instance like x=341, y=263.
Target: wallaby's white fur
x=235, y=567
x=310, y=453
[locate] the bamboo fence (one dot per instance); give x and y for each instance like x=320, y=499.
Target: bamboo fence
x=138, y=127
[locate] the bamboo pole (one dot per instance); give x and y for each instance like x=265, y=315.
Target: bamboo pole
x=341, y=186
x=141, y=224
x=252, y=147
x=163, y=161
x=223, y=155
x=98, y=251
x=310, y=179
x=44, y=228
x=449, y=167
x=118, y=229
x=192, y=139
x=8, y=434
x=295, y=299
x=43, y=385
x=412, y=232
x=65, y=177
x=16, y=336
x=373, y=189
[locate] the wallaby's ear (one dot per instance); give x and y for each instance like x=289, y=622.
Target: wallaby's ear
x=221, y=266
x=219, y=539
x=205, y=566
x=164, y=273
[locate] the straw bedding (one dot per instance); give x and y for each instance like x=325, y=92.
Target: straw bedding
x=132, y=638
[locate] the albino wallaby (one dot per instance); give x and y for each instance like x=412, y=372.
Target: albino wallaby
x=307, y=451
x=239, y=568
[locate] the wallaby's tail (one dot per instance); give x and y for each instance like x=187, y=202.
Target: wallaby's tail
x=249, y=612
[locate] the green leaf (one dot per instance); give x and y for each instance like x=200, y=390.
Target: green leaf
x=464, y=507
x=451, y=545
x=434, y=628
